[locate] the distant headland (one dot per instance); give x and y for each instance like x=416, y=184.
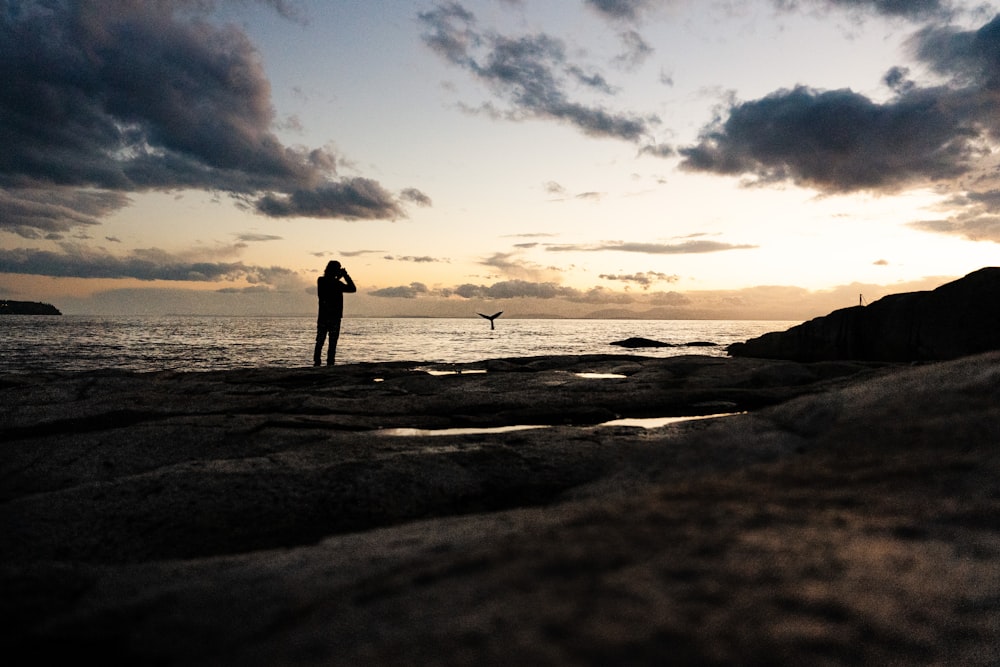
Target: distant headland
x=27, y=308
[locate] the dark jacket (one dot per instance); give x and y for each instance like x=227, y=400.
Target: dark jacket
x=331, y=296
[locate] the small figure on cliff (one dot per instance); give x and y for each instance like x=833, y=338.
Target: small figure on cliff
x=330, y=288
x=491, y=318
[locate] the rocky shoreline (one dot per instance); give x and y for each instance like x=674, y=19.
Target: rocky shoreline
x=845, y=513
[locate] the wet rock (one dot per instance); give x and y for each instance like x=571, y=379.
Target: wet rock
x=259, y=518
x=954, y=320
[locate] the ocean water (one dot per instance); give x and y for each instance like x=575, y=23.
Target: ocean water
x=198, y=343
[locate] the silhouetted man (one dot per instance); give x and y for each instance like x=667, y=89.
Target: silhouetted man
x=330, y=291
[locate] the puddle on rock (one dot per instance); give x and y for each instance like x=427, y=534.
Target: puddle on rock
x=648, y=423
x=456, y=431
x=431, y=371
x=601, y=376
x=657, y=422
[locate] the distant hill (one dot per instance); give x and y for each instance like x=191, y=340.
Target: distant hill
x=27, y=308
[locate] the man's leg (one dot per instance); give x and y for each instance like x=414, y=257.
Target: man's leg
x=320, y=339
x=334, y=336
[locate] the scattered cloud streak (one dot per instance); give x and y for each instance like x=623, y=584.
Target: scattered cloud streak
x=685, y=248
x=532, y=73
x=424, y=259
x=644, y=279
x=144, y=264
x=51, y=213
x=624, y=10
x=252, y=237
x=507, y=289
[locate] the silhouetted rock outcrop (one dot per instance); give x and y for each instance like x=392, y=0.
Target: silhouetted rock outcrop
x=635, y=342
x=954, y=320
x=27, y=308
x=640, y=342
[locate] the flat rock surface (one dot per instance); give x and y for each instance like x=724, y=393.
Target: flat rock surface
x=846, y=514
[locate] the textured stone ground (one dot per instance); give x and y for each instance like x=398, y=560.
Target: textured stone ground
x=260, y=517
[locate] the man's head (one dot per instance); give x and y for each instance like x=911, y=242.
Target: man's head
x=333, y=268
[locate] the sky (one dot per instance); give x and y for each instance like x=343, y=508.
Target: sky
x=720, y=159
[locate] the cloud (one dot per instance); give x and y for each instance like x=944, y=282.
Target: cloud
x=658, y=150
x=129, y=96
x=411, y=291
x=144, y=264
x=975, y=225
x=512, y=265
x=636, y=50
x=531, y=73
x=633, y=11
x=34, y=213
x=686, y=248
x=252, y=237
x=355, y=253
x=511, y=289
x=623, y=10
x=415, y=196
x=912, y=9
x=506, y=289
x=350, y=199
x=425, y=259
x=842, y=141
x=839, y=141
x=644, y=279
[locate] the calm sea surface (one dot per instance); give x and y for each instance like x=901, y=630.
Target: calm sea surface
x=195, y=343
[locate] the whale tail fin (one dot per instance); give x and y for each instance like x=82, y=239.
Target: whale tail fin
x=491, y=317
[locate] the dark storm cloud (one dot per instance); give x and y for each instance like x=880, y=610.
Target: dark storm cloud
x=150, y=264
x=350, y=199
x=532, y=73
x=912, y=9
x=842, y=141
x=131, y=95
x=969, y=58
x=688, y=247
x=633, y=10
x=34, y=213
x=839, y=141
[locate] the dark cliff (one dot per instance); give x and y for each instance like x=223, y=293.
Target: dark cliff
x=954, y=320
x=27, y=308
